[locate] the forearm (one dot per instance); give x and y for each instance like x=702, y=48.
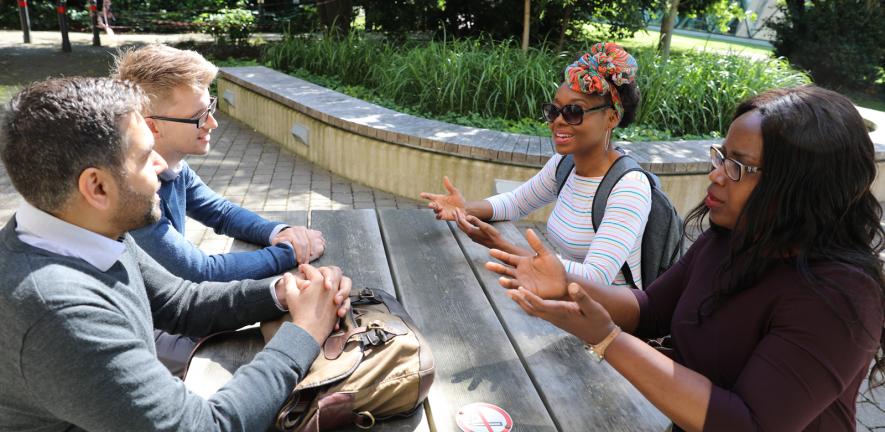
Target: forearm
x=482, y=209
x=620, y=303
x=116, y=383
x=680, y=393
x=200, y=309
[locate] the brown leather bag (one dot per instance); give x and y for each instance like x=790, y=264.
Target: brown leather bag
x=376, y=367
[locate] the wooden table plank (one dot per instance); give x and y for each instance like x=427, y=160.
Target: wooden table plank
x=353, y=243
x=475, y=361
x=581, y=393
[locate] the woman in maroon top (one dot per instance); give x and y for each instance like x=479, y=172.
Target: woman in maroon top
x=776, y=311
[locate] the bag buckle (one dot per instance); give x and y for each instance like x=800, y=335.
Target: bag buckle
x=375, y=336
x=366, y=296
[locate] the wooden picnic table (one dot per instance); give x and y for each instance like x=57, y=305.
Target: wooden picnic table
x=486, y=348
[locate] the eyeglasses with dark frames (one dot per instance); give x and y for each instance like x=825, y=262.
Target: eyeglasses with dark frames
x=733, y=169
x=199, y=121
x=572, y=114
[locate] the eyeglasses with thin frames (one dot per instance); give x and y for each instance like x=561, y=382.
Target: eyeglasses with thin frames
x=199, y=121
x=572, y=114
x=733, y=169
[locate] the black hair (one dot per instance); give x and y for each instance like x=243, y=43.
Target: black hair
x=630, y=98
x=813, y=203
x=55, y=129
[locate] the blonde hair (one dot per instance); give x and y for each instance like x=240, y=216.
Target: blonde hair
x=158, y=69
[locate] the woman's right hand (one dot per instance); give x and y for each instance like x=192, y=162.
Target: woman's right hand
x=542, y=274
x=445, y=205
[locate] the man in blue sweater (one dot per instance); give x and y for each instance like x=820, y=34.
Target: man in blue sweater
x=80, y=299
x=179, y=113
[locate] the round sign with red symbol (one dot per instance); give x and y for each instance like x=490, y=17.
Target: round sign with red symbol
x=483, y=417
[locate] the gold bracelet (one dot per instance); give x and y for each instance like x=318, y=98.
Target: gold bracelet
x=598, y=350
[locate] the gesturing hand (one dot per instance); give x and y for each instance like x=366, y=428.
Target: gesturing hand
x=582, y=316
x=542, y=274
x=445, y=205
x=478, y=231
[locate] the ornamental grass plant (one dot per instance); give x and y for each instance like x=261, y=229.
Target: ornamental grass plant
x=494, y=84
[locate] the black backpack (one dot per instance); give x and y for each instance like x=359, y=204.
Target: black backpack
x=662, y=239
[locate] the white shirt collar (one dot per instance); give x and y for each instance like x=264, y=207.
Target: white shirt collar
x=42, y=230
x=171, y=173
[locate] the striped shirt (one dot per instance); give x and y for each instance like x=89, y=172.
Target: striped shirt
x=597, y=256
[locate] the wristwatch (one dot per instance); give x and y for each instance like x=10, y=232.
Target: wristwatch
x=598, y=350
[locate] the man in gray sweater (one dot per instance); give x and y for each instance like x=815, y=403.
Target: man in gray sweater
x=79, y=299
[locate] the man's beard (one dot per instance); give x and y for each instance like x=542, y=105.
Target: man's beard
x=136, y=210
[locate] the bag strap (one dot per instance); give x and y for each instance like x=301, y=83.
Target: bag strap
x=623, y=165
x=563, y=169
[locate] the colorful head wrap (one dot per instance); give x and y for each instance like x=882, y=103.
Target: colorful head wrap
x=596, y=71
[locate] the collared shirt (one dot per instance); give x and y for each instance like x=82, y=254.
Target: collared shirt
x=45, y=231
x=172, y=172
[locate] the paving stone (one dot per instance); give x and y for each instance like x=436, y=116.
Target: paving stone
x=363, y=196
x=385, y=203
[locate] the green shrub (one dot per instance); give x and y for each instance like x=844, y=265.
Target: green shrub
x=695, y=93
x=232, y=26
x=478, y=82
x=840, y=42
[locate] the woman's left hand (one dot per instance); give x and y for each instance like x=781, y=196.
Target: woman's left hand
x=479, y=231
x=582, y=316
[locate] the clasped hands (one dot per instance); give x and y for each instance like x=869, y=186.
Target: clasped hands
x=316, y=298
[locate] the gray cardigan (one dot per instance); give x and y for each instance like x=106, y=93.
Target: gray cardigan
x=77, y=347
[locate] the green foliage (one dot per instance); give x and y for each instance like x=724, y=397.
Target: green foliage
x=840, y=42
x=228, y=26
x=526, y=126
x=552, y=21
x=479, y=82
x=468, y=75
x=695, y=93
x=399, y=16
x=42, y=16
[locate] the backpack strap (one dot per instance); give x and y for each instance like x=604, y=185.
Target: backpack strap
x=563, y=169
x=623, y=165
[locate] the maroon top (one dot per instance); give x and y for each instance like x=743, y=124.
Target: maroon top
x=780, y=357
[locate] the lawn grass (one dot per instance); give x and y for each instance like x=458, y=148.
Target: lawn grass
x=649, y=38
x=7, y=91
x=873, y=102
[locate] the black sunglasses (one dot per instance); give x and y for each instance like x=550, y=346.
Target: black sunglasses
x=572, y=114
x=199, y=121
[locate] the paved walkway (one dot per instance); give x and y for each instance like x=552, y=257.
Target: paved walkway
x=244, y=166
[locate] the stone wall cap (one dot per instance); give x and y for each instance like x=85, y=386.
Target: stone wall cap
x=661, y=157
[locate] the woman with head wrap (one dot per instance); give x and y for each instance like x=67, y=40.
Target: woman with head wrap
x=598, y=94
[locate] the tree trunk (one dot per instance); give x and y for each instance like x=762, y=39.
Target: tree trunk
x=566, y=20
x=335, y=15
x=667, y=26
x=526, y=23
